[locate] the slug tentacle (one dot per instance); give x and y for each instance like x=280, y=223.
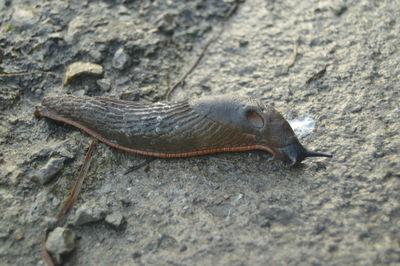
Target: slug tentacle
x=180, y=129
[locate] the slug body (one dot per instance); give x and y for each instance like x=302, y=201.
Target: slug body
x=180, y=129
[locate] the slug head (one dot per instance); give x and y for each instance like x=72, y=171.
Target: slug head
x=277, y=135
x=254, y=118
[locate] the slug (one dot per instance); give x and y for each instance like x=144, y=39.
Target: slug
x=179, y=129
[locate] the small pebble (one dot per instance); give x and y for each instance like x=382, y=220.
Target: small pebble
x=80, y=92
x=165, y=23
x=24, y=18
x=104, y=84
x=61, y=241
x=115, y=219
x=45, y=174
x=75, y=28
x=243, y=43
x=88, y=213
x=136, y=254
x=120, y=59
x=79, y=69
x=19, y=236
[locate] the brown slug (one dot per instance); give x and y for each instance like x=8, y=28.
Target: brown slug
x=180, y=129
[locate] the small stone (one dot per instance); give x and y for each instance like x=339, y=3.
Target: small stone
x=81, y=92
x=56, y=35
x=136, y=254
x=274, y=215
x=38, y=92
x=45, y=174
x=332, y=248
x=115, y=219
x=88, y=213
x=243, y=43
x=166, y=241
x=131, y=239
x=75, y=28
x=120, y=59
x=61, y=241
x=14, y=120
x=220, y=210
x=24, y=18
x=19, y=236
x=104, y=84
x=52, y=149
x=79, y=69
x=165, y=23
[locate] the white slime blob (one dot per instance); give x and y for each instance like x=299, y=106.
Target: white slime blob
x=303, y=126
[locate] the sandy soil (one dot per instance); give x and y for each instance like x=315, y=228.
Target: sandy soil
x=336, y=61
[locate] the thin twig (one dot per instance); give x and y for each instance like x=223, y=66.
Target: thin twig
x=231, y=11
x=45, y=254
x=293, y=58
x=69, y=202
x=7, y=75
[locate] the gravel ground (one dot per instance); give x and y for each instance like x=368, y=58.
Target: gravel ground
x=335, y=61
